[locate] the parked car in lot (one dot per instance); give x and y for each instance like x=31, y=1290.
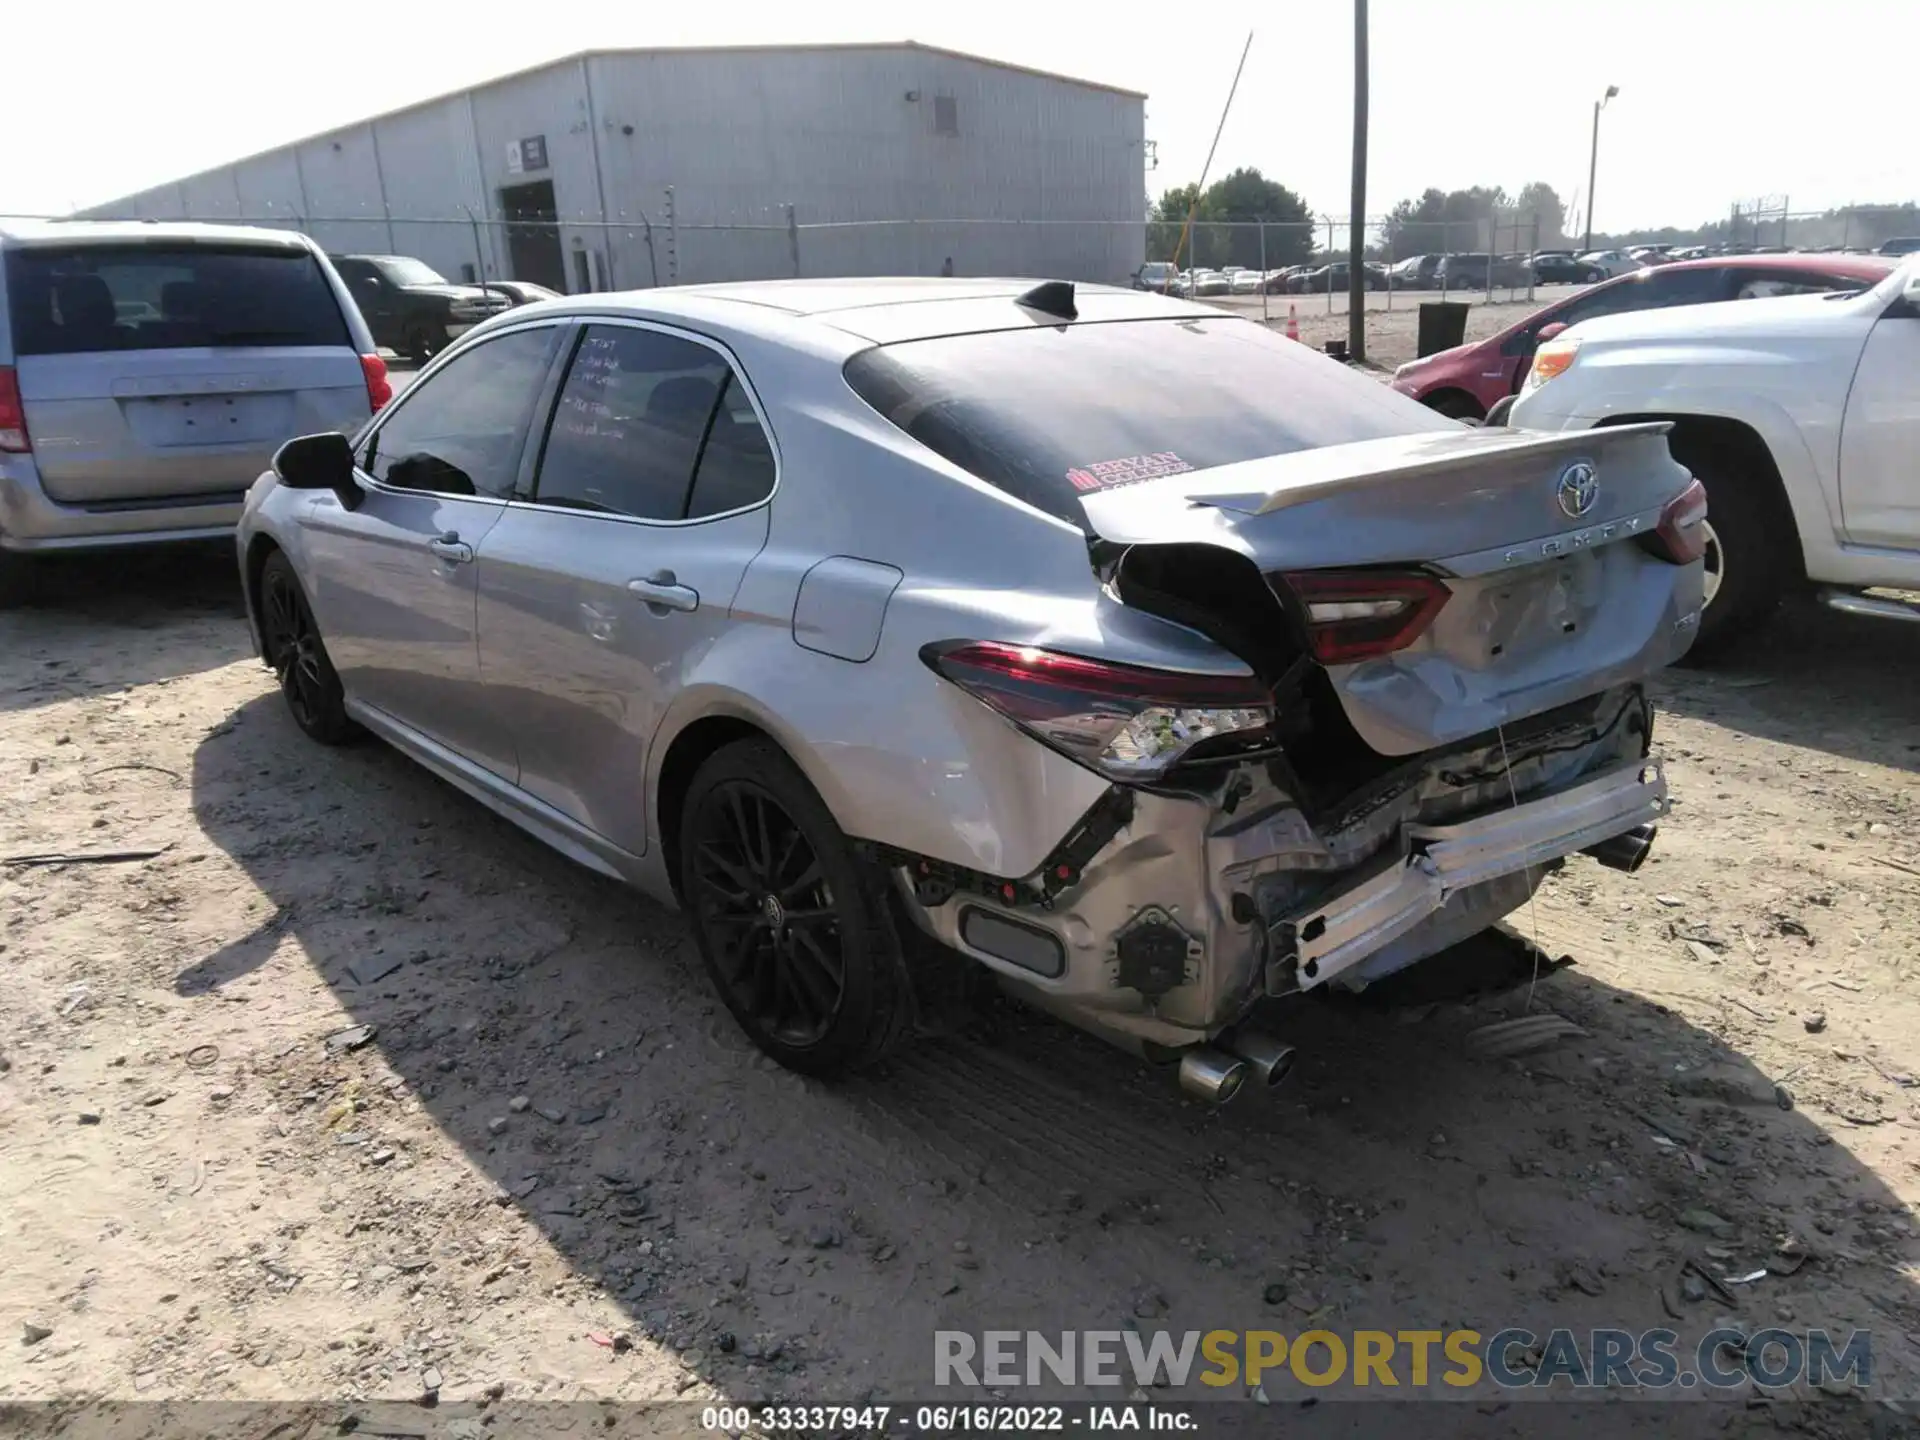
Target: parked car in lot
x=1225, y=673
x=1479, y=271
x=1211, y=282
x=147, y=371
x=1416, y=272
x=1248, y=282
x=520, y=292
x=1611, y=262
x=1469, y=380
x=1903, y=245
x=1319, y=279
x=1563, y=267
x=1156, y=275
x=1801, y=417
x=1279, y=281
x=411, y=307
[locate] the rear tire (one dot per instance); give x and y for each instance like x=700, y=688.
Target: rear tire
x=793, y=924
x=16, y=579
x=312, y=689
x=1746, y=548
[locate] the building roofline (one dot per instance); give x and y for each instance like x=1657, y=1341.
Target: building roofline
x=580, y=56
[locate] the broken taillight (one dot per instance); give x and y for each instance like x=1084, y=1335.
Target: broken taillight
x=1681, y=535
x=1125, y=721
x=1355, y=615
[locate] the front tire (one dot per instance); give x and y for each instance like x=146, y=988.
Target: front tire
x=419, y=347
x=1455, y=405
x=312, y=689
x=793, y=924
x=1746, y=560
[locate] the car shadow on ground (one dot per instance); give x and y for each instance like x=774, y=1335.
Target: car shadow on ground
x=1815, y=678
x=785, y=1238
x=127, y=608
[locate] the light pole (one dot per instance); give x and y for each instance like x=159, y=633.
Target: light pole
x=1593, y=161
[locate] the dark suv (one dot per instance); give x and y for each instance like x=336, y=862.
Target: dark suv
x=411, y=307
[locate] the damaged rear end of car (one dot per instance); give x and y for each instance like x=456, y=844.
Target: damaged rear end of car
x=1442, y=639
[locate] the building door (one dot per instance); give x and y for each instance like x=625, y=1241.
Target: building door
x=533, y=234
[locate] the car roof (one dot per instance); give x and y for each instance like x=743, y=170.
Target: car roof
x=1857, y=267
x=887, y=310
x=19, y=233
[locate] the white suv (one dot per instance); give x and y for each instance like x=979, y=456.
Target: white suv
x=1801, y=415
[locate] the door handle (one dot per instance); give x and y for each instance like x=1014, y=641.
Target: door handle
x=450, y=547
x=662, y=593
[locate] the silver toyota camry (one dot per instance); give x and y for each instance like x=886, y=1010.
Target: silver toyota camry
x=1125, y=648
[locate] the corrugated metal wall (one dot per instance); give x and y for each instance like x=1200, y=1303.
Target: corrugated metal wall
x=735, y=164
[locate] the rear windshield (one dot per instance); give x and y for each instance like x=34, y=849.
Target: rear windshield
x=156, y=297
x=1053, y=413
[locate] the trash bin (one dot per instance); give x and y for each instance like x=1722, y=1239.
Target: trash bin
x=1443, y=325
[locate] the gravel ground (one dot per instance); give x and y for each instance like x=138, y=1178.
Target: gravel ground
x=353, y=1092
x=1393, y=319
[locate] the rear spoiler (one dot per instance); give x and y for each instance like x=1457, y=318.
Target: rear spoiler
x=1313, y=474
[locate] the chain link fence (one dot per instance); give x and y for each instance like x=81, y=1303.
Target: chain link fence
x=664, y=245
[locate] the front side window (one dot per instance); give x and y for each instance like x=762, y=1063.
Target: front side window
x=654, y=427
x=82, y=299
x=459, y=431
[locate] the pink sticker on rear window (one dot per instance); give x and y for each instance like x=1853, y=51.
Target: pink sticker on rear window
x=1129, y=470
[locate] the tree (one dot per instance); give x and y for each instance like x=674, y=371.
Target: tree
x=1442, y=220
x=1225, y=223
x=1541, y=212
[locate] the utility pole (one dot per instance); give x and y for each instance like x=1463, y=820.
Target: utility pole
x=1357, y=208
x=1593, y=161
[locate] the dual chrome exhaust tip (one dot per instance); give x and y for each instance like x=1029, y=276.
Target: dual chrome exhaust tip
x=1626, y=851
x=1216, y=1073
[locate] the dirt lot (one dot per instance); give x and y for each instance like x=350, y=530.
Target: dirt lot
x=547, y=1136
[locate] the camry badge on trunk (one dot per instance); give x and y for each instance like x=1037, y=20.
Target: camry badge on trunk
x=1579, y=488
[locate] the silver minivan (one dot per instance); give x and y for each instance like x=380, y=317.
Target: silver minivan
x=148, y=371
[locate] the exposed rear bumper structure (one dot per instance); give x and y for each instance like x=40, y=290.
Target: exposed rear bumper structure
x=1325, y=940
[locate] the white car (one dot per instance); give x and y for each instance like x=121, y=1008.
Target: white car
x=1800, y=415
x=1247, y=282
x=1614, y=262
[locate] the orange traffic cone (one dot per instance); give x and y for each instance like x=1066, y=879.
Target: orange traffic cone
x=1293, y=321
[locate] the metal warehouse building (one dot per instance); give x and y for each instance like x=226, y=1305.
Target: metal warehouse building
x=625, y=168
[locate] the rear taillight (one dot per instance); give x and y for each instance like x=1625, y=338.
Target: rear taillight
x=1125, y=721
x=1355, y=615
x=379, y=388
x=1681, y=535
x=13, y=414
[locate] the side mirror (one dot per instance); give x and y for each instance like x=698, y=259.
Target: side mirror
x=319, y=462
x=1548, y=331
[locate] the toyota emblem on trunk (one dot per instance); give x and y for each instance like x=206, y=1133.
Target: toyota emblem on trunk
x=1579, y=488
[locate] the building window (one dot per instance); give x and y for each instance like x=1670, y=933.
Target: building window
x=946, y=115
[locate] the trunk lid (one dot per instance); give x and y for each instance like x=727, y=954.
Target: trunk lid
x=1535, y=537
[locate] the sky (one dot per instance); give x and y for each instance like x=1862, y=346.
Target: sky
x=1719, y=101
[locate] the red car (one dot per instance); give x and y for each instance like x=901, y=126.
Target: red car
x=1468, y=380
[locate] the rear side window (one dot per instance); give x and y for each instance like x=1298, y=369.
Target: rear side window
x=1051, y=413
x=82, y=299
x=654, y=427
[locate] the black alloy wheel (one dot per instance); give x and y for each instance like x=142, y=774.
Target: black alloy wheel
x=795, y=925
x=299, y=659
x=762, y=895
